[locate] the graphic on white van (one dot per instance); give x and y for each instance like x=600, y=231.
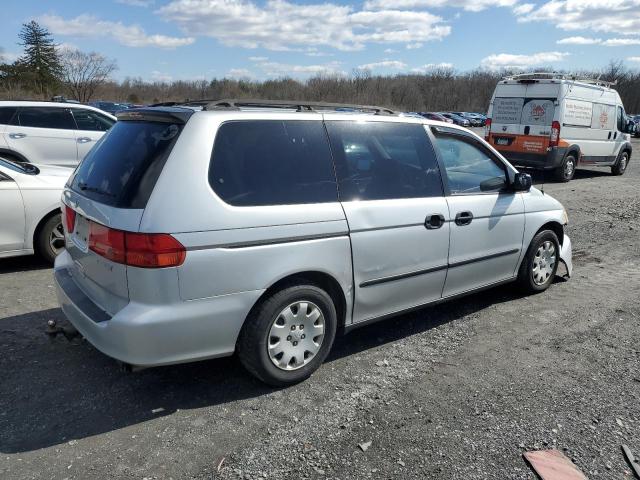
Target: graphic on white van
x=525, y=111
x=507, y=110
x=538, y=111
x=604, y=116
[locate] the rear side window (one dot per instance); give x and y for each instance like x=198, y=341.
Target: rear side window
x=6, y=114
x=46, y=117
x=90, y=120
x=269, y=162
x=123, y=167
x=379, y=160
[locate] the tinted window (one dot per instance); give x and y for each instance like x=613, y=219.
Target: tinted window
x=90, y=120
x=44, y=117
x=122, y=168
x=622, y=119
x=377, y=160
x=469, y=168
x=272, y=163
x=6, y=114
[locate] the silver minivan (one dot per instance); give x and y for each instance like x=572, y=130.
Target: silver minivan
x=265, y=228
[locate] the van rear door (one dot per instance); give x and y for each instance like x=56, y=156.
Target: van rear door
x=107, y=195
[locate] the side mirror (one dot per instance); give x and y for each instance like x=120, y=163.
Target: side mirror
x=522, y=182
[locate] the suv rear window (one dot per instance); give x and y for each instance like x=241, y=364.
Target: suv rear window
x=46, y=117
x=272, y=162
x=123, y=167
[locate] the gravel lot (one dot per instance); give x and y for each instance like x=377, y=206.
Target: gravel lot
x=458, y=391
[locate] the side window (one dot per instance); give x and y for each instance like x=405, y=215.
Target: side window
x=46, y=117
x=469, y=168
x=6, y=114
x=380, y=160
x=269, y=162
x=621, y=119
x=90, y=120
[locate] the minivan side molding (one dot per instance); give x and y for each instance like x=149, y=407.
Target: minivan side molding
x=401, y=276
x=271, y=241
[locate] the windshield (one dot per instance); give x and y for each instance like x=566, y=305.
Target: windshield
x=22, y=167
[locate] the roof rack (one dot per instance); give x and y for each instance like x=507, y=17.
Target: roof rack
x=298, y=105
x=559, y=76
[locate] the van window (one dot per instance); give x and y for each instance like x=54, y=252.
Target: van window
x=622, y=119
x=46, y=117
x=380, y=160
x=272, y=162
x=123, y=167
x=524, y=111
x=469, y=168
x=603, y=116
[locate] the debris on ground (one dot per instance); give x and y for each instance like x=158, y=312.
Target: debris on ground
x=635, y=466
x=553, y=465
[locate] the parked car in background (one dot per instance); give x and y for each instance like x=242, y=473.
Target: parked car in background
x=636, y=120
x=50, y=133
x=457, y=119
x=552, y=122
x=30, y=209
x=480, y=117
x=254, y=248
x=473, y=120
x=436, y=116
x=109, y=107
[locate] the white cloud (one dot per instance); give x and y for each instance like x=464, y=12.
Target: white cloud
x=433, y=66
x=283, y=25
x=158, y=76
x=413, y=46
x=579, y=41
x=621, y=42
x=137, y=3
x=469, y=5
x=509, y=60
x=129, y=35
x=523, y=8
x=390, y=50
x=384, y=64
x=634, y=59
x=258, y=59
x=8, y=57
x=239, y=73
x=277, y=69
x=614, y=16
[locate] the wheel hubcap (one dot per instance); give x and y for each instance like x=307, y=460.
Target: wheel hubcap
x=544, y=263
x=56, y=238
x=296, y=335
x=623, y=163
x=568, y=168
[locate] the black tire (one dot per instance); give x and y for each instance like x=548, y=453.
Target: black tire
x=526, y=280
x=567, y=170
x=253, y=342
x=621, y=165
x=42, y=241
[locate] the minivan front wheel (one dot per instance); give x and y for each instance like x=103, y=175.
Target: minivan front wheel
x=621, y=165
x=540, y=264
x=567, y=170
x=288, y=336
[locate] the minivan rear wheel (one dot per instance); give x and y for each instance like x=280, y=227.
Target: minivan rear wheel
x=621, y=165
x=540, y=264
x=288, y=335
x=567, y=170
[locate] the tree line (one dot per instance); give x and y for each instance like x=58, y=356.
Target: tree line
x=45, y=70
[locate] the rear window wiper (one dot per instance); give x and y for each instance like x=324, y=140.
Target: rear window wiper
x=87, y=188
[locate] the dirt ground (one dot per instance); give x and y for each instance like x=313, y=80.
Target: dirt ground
x=457, y=391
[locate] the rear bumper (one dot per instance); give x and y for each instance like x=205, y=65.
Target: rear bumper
x=152, y=335
x=549, y=161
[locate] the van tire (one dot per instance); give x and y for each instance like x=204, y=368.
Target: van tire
x=254, y=339
x=567, y=170
x=526, y=274
x=43, y=240
x=621, y=165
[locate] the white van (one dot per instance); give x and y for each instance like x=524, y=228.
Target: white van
x=558, y=123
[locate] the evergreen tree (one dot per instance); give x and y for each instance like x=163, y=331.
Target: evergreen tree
x=40, y=61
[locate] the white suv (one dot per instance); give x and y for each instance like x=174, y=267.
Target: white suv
x=50, y=133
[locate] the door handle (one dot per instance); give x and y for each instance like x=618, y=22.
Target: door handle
x=615, y=135
x=464, y=218
x=609, y=137
x=17, y=135
x=434, y=221
x=84, y=140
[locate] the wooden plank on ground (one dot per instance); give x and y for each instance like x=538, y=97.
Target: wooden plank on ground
x=553, y=465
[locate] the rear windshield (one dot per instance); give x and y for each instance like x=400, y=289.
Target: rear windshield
x=122, y=169
x=525, y=111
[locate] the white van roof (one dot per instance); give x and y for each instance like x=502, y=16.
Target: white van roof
x=546, y=77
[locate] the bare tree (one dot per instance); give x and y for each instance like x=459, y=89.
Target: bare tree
x=84, y=72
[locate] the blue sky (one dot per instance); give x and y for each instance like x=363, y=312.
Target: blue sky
x=195, y=39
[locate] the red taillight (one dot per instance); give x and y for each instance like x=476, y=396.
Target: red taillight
x=107, y=242
x=154, y=250
x=145, y=250
x=554, y=137
x=487, y=129
x=70, y=218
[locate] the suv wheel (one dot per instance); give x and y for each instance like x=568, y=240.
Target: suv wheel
x=540, y=264
x=567, y=170
x=50, y=239
x=621, y=165
x=288, y=336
